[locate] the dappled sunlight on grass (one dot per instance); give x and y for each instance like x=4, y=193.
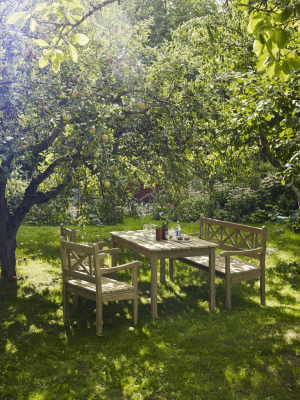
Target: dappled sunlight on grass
x=251, y=352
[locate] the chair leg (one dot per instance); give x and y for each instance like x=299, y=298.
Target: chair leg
x=135, y=310
x=65, y=306
x=99, y=327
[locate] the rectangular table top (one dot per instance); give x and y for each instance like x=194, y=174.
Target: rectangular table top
x=136, y=238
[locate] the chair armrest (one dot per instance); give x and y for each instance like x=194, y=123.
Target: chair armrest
x=133, y=264
x=115, y=250
x=241, y=252
x=102, y=244
x=193, y=234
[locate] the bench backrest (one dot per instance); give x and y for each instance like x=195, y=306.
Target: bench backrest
x=231, y=236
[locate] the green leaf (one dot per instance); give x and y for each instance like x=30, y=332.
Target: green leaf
x=56, y=65
x=17, y=18
x=33, y=25
x=59, y=55
x=56, y=41
x=281, y=38
x=257, y=47
x=43, y=62
x=261, y=63
x=287, y=13
x=41, y=7
x=286, y=67
x=81, y=39
x=271, y=70
x=297, y=8
x=73, y=53
x=70, y=18
x=254, y=19
x=40, y=42
x=295, y=61
x=77, y=7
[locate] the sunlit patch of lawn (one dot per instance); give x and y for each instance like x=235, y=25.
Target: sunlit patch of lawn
x=251, y=352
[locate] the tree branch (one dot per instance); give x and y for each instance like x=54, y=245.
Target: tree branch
x=267, y=151
x=32, y=197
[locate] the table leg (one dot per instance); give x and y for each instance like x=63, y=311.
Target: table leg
x=162, y=271
x=114, y=260
x=212, y=285
x=153, y=287
x=171, y=269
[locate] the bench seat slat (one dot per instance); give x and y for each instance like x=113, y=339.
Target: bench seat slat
x=236, y=266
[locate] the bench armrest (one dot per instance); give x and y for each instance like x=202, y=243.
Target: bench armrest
x=133, y=264
x=193, y=234
x=241, y=252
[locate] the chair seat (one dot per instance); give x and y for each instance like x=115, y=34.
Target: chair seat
x=237, y=266
x=107, y=285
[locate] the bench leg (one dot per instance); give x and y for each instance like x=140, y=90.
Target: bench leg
x=99, y=306
x=228, y=283
x=171, y=269
x=75, y=300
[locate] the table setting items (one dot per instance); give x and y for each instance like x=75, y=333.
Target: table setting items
x=149, y=232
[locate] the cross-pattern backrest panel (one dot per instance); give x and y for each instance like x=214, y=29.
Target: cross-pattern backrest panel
x=68, y=234
x=231, y=236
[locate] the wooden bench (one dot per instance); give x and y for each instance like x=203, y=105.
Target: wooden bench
x=234, y=240
x=86, y=277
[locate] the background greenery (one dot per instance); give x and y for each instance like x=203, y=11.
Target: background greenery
x=251, y=352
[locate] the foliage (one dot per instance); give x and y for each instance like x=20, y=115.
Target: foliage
x=179, y=356
x=232, y=202
x=275, y=26
x=54, y=27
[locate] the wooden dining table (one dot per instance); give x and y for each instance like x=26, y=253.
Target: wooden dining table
x=166, y=249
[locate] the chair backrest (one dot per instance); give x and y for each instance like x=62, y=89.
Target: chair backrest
x=85, y=257
x=231, y=236
x=68, y=234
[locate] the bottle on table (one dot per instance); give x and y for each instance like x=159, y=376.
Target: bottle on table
x=178, y=229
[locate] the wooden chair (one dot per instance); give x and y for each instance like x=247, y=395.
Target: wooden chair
x=90, y=282
x=70, y=235
x=234, y=240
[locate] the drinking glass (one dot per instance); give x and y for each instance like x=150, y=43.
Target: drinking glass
x=149, y=231
x=170, y=234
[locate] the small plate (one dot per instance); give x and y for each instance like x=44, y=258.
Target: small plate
x=184, y=240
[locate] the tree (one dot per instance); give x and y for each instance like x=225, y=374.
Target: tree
x=52, y=123
x=100, y=113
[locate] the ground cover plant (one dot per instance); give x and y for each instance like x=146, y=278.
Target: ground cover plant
x=251, y=352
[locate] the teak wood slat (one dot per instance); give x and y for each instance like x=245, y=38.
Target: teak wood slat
x=238, y=240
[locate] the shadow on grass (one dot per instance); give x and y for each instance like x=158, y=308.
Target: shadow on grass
x=251, y=352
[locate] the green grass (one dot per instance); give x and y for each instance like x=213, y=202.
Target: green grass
x=251, y=352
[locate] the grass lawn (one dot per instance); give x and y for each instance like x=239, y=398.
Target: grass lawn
x=251, y=352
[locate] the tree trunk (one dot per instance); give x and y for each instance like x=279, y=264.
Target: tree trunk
x=8, y=245
x=297, y=193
